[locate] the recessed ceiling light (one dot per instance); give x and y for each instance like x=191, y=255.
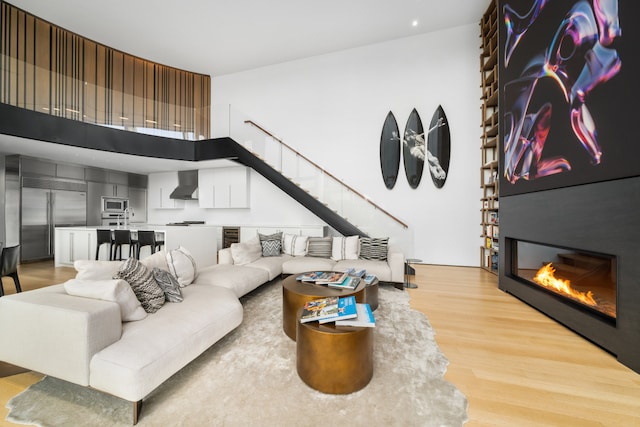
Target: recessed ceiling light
x=414, y=23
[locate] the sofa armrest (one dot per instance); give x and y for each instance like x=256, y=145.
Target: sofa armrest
x=56, y=334
x=224, y=256
x=395, y=259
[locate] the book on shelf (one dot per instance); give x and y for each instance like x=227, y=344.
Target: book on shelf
x=346, y=310
x=369, y=278
x=364, y=318
x=319, y=309
x=349, y=282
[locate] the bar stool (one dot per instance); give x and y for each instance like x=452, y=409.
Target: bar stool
x=9, y=266
x=123, y=237
x=148, y=238
x=104, y=236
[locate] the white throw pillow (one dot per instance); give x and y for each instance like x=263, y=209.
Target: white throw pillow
x=246, y=252
x=156, y=260
x=294, y=244
x=117, y=291
x=345, y=248
x=96, y=270
x=182, y=266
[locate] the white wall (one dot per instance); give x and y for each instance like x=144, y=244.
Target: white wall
x=331, y=108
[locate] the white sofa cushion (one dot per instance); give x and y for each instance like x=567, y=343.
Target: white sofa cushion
x=149, y=352
x=96, y=270
x=156, y=260
x=272, y=265
x=294, y=244
x=181, y=265
x=246, y=252
x=114, y=290
x=345, y=248
x=319, y=247
x=297, y=265
x=240, y=279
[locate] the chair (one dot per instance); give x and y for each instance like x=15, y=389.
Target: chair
x=148, y=238
x=104, y=236
x=123, y=237
x=9, y=266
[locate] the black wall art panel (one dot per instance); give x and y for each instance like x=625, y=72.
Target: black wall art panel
x=438, y=147
x=569, y=93
x=413, y=149
x=390, y=151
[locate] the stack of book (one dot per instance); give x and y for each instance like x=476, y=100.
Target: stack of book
x=343, y=311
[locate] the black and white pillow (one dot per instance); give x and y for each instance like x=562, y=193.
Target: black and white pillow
x=168, y=284
x=319, y=247
x=141, y=280
x=374, y=248
x=271, y=244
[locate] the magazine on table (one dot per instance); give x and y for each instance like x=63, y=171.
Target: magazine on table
x=310, y=277
x=369, y=278
x=335, y=277
x=346, y=310
x=349, y=283
x=364, y=318
x=319, y=309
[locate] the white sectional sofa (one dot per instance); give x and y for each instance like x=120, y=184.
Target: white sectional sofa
x=85, y=340
x=104, y=341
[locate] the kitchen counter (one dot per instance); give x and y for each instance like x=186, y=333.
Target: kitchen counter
x=79, y=243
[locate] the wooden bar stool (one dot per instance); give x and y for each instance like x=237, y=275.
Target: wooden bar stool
x=104, y=236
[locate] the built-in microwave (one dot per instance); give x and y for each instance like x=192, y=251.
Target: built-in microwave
x=114, y=204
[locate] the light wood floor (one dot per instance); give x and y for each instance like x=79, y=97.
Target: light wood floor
x=516, y=366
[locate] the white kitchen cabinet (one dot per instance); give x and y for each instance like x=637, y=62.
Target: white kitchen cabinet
x=223, y=188
x=73, y=244
x=161, y=185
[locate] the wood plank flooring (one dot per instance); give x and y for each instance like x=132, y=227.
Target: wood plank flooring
x=516, y=366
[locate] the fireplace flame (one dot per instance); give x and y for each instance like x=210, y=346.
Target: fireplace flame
x=546, y=277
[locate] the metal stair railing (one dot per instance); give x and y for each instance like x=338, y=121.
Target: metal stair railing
x=347, y=202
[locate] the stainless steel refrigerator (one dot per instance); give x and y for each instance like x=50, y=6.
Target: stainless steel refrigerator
x=42, y=211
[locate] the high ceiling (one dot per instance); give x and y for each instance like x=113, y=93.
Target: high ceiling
x=218, y=37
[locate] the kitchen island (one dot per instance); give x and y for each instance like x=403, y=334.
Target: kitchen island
x=79, y=243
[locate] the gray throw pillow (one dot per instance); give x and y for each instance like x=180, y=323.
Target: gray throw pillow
x=271, y=244
x=141, y=280
x=319, y=247
x=374, y=248
x=168, y=284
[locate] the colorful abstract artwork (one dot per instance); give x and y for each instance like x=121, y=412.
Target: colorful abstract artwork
x=562, y=68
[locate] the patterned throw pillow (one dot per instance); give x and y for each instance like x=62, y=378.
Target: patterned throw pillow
x=168, y=284
x=374, y=248
x=143, y=284
x=319, y=247
x=271, y=244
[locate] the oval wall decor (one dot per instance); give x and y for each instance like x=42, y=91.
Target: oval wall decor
x=413, y=149
x=438, y=147
x=390, y=151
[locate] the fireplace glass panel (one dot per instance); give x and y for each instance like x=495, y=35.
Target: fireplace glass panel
x=582, y=277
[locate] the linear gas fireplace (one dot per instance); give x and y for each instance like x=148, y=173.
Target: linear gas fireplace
x=581, y=278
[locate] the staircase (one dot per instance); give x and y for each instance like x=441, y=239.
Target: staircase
x=340, y=206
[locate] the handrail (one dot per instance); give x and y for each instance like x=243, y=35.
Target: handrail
x=251, y=122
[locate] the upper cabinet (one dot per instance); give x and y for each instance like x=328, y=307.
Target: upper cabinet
x=226, y=187
x=161, y=185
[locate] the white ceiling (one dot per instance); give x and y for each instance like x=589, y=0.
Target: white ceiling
x=217, y=37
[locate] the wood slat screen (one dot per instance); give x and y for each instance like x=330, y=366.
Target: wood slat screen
x=49, y=69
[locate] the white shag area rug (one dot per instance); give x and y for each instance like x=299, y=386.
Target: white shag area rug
x=249, y=378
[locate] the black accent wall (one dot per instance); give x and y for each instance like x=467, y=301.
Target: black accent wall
x=602, y=217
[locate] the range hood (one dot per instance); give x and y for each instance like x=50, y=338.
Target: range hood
x=187, y=186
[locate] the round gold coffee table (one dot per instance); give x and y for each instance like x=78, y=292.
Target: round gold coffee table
x=295, y=294
x=334, y=359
